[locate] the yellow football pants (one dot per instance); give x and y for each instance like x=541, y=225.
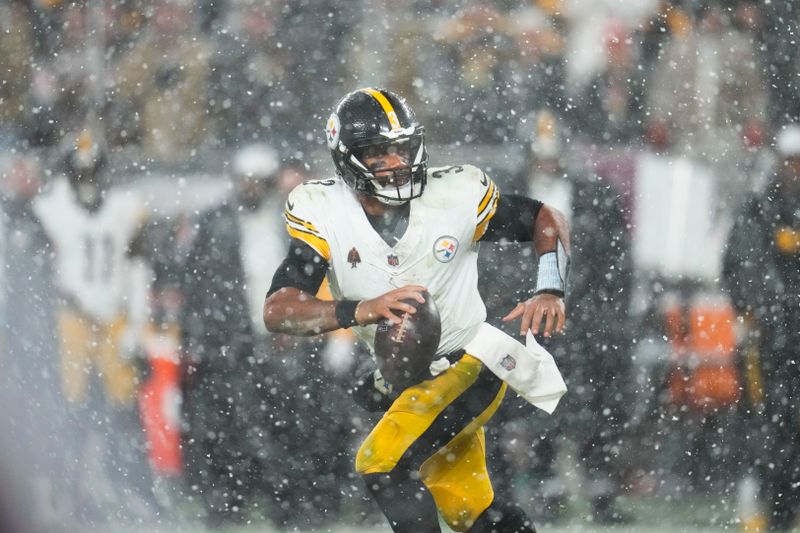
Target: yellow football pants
x=456, y=473
x=88, y=346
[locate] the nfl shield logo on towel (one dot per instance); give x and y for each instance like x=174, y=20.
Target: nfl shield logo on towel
x=509, y=363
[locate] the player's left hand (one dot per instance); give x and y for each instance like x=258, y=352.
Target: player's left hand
x=547, y=307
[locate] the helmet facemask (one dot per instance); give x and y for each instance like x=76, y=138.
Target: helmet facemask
x=392, y=170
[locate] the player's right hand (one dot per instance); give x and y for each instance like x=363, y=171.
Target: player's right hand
x=389, y=305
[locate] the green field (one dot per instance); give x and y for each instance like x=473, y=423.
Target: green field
x=700, y=515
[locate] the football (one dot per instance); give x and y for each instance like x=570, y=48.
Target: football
x=404, y=351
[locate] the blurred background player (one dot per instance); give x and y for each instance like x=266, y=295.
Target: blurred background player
x=593, y=353
x=310, y=487
x=101, y=291
x=239, y=416
x=762, y=274
x=223, y=381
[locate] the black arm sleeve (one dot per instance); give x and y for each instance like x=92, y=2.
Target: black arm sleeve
x=513, y=219
x=303, y=268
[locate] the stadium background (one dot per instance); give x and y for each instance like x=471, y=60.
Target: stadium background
x=673, y=103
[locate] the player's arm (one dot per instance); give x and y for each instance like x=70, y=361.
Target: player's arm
x=292, y=307
x=141, y=240
x=138, y=276
x=522, y=219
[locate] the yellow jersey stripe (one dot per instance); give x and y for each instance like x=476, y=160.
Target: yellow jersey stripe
x=490, y=212
x=300, y=221
x=483, y=224
x=303, y=227
x=319, y=244
x=489, y=205
x=486, y=197
x=386, y=105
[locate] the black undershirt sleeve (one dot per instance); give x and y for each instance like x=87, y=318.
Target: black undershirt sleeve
x=513, y=219
x=302, y=268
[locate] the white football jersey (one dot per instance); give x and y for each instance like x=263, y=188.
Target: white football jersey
x=554, y=191
x=91, y=247
x=262, y=248
x=438, y=249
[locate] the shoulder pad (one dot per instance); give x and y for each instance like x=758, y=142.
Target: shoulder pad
x=468, y=178
x=51, y=194
x=303, y=207
x=466, y=184
x=456, y=183
x=469, y=172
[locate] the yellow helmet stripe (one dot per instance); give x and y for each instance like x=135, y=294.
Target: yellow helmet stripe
x=385, y=104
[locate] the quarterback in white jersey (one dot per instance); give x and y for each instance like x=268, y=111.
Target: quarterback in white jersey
x=437, y=250
x=386, y=229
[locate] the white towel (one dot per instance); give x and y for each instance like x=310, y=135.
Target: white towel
x=530, y=370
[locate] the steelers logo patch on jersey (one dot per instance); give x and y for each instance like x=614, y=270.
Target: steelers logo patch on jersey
x=332, y=130
x=445, y=248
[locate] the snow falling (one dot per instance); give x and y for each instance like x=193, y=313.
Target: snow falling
x=147, y=151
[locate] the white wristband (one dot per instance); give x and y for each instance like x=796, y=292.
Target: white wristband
x=549, y=277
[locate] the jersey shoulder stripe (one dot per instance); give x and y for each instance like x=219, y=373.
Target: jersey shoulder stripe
x=299, y=222
x=486, y=211
x=319, y=244
x=486, y=197
x=300, y=210
x=487, y=206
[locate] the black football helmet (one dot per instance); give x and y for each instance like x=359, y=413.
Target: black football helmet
x=84, y=164
x=370, y=122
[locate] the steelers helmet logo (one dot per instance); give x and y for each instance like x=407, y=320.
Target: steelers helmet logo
x=332, y=130
x=444, y=249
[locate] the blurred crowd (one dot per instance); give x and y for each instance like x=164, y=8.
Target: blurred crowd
x=146, y=150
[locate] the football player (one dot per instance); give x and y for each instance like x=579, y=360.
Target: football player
x=102, y=298
x=91, y=228
x=384, y=229
x=761, y=271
